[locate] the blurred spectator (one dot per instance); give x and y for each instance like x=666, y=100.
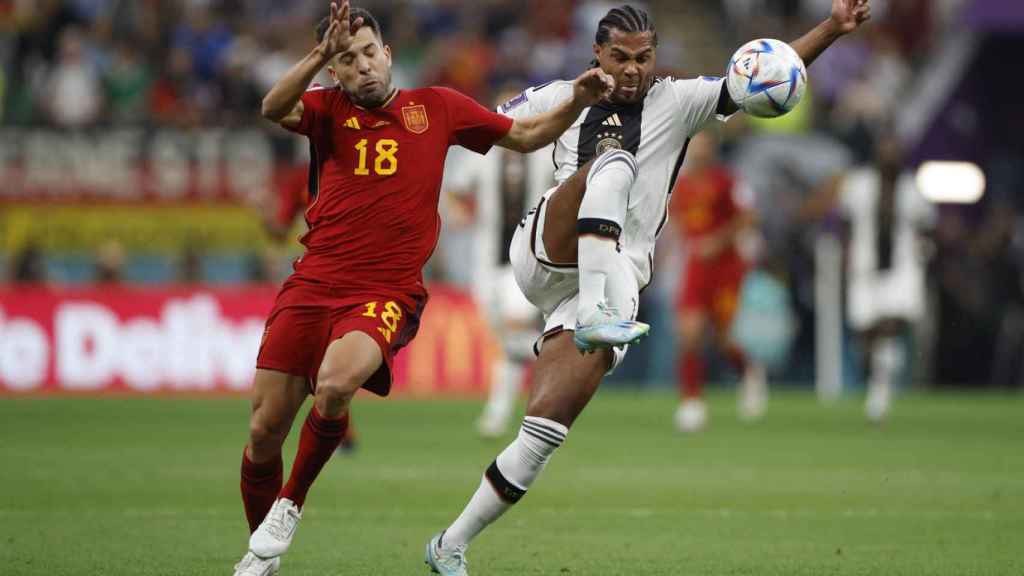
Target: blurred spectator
x=110, y=263
x=73, y=92
x=128, y=83
x=191, y=263
x=29, y=266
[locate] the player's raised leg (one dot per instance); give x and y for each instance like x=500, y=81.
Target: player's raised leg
x=608, y=301
x=565, y=380
x=582, y=226
x=348, y=363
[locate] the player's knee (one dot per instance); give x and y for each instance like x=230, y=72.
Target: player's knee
x=336, y=387
x=616, y=158
x=266, y=432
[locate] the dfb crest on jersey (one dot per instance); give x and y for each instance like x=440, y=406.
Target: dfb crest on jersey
x=610, y=140
x=415, y=118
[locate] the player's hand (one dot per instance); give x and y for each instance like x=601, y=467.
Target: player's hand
x=340, y=31
x=591, y=87
x=848, y=15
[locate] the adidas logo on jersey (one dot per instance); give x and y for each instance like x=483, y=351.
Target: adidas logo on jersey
x=352, y=123
x=612, y=120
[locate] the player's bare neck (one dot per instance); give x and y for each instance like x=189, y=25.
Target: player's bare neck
x=384, y=104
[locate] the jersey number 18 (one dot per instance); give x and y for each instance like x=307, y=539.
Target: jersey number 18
x=386, y=162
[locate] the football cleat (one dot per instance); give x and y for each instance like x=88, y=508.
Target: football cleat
x=605, y=330
x=275, y=533
x=253, y=565
x=444, y=561
x=691, y=416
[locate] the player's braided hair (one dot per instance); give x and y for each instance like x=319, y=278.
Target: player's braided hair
x=626, y=19
x=368, y=21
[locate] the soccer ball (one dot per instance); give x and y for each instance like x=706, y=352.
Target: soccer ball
x=766, y=78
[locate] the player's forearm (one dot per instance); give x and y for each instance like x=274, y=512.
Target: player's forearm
x=535, y=133
x=285, y=95
x=811, y=45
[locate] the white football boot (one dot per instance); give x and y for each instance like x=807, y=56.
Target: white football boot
x=253, y=565
x=445, y=561
x=275, y=533
x=603, y=329
x=691, y=416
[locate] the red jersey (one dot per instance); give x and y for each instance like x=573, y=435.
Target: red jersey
x=293, y=197
x=376, y=180
x=703, y=203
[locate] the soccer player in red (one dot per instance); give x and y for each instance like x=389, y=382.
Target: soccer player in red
x=290, y=199
x=357, y=293
x=710, y=217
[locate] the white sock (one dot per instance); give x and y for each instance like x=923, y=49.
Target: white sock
x=506, y=378
x=601, y=216
x=886, y=362
x=507, y=479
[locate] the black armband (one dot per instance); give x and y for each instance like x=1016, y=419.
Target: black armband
x=598, y=227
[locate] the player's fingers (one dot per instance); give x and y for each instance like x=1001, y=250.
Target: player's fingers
x=356, y=25
x=344, y=11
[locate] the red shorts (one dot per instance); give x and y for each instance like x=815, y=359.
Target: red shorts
x=308, y=316
x=713, y=287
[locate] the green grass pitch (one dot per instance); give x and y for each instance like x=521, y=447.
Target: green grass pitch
x=150, y=486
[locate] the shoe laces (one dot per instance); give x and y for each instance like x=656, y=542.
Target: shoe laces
x=247, y=564
x=282, y=519
x=605, y=314
x=453, y=557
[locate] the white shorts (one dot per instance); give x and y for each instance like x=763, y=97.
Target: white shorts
x=500, y=298
x=894, y=294
x=551, y=287
x=511, y=316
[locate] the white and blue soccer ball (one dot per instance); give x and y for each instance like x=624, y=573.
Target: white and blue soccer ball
x=766, y=78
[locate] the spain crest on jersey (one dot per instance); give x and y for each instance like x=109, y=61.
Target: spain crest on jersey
x=415, y=118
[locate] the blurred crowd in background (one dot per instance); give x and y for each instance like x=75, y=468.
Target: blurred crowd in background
x=94, y=65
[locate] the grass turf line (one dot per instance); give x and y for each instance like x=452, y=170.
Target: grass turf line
x=150, y=487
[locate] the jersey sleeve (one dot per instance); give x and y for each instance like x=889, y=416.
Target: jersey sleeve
x=537, y=100
x=471, y=125
x=314, y=110
x=697, y=101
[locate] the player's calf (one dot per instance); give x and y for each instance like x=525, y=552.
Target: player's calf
x=504, y=484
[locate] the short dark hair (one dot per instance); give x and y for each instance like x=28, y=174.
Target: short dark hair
x=626, y=19
x=355, y=13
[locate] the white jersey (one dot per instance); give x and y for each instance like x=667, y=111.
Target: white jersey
x=886, y=270
x=656, y=130
x=503, y=185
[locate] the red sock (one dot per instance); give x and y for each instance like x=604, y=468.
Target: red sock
x=260, y=485
x=691, y=376
x=316, y=444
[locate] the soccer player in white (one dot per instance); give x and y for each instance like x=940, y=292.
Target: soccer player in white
x=585, y=252
x=886, y=271
x=498, y=188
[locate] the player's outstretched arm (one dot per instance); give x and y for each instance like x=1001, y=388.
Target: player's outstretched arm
x=536, y=132
x=283, y=104
x=847, y=16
